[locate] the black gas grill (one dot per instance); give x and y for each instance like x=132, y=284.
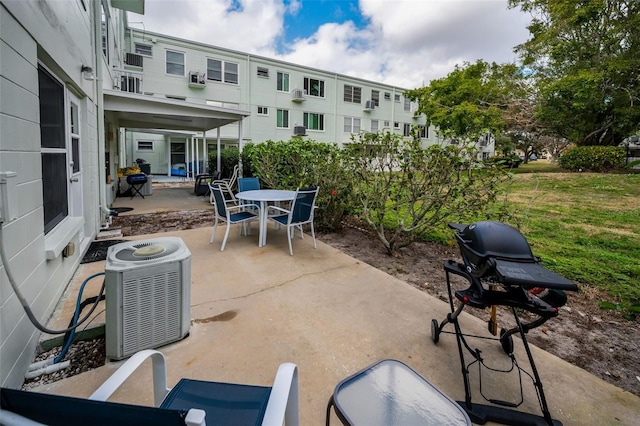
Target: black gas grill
x=501, y=271
x=136, y=182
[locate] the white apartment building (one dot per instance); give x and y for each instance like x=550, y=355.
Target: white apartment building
x=283, y=99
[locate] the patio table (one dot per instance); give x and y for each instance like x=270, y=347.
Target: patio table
x=389, y=392
x=264, y=196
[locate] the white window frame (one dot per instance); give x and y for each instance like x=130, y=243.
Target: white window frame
x=263, y=110
x=225, y=71
x=387, y=96
x=375, y=97
x=140, y=146
x=352, y=94
x=282, y=115
x=406, y=130
x=60, y=229
x=374, y=126
x=396, y=97
x=262, y=72
x=407, y=105
x=319, y=118
x=141, y=49
x=281, y=81
x=308, y=83
x=352, y=125
x=166, y=62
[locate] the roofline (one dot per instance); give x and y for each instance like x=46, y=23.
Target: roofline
x=264, y=58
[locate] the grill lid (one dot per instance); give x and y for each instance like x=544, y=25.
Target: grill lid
x=482, y=240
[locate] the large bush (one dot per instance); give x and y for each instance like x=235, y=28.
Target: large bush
x=593, y=158
x=404, y=191
x=301, y=163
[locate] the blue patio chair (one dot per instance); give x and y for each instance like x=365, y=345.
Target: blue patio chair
x=249, y=184
x=190, y=402
x=300, y=213
x=230, y=214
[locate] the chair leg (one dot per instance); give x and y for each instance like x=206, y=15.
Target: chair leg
x=290, y=231
x=226, y=234
x=313, y=235
x=213, y=233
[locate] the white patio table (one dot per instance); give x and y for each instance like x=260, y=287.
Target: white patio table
x=264, y=196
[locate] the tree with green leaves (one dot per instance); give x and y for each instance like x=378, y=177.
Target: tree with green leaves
x=584, y=54
x=465, y=104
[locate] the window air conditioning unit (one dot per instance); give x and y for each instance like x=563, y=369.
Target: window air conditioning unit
x=197, y=79
x=370, y=105
x=297, y=95
x=148, y=295
x=300, y=131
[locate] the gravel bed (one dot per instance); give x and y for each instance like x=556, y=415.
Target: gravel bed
x=84, y=355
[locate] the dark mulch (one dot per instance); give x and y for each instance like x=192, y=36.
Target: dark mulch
x=98, y=250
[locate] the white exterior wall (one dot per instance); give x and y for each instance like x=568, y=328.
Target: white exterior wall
x=253, y=90
x=59, y=36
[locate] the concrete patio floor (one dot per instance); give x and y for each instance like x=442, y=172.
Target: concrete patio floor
x=253, y=308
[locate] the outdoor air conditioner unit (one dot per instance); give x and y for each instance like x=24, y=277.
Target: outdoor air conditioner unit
x=298, y=95
x=300, y=131
x=148, y=295
x=197, y=79
x=370, y=105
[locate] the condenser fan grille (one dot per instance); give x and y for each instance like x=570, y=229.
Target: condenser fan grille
x=149, y=250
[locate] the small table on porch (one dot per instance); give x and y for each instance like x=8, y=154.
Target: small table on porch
x=264, y=196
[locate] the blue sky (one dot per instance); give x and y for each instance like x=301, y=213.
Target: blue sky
x=401, y=42
x=313, y=13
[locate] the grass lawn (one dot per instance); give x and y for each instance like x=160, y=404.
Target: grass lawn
x=584, y=226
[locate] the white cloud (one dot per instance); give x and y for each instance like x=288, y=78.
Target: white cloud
x=405, y=43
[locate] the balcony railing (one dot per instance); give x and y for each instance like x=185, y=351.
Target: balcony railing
x=127, y=81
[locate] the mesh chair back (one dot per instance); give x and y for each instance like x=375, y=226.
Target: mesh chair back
x=303, y=203
x=56, y=410
x=248, y=184
x=218, y=196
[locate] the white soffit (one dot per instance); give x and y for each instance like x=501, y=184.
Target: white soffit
x=146, y=112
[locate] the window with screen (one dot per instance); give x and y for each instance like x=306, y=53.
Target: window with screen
x=53, y=149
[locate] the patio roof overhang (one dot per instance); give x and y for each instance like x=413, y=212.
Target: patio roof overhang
x=146, y=112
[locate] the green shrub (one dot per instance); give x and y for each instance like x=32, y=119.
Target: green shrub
x=593, y=158
x=301, y=163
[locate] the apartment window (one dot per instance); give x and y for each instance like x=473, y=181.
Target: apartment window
x=282, y=84
x=217, y=70
x=423, y=131
x=396, y=125
x=175, y=63
x=313, y=121
x=263, y=110
x=352, y=94
x=387, y=96
x=396, y=97
x=282, y=118
x=145, y=145
x=143, y=49
x=375, y=97
x=374, y=126
x=406, y=131
x=263, y=72
x=104, y=23
x=314, y=87
x=53, y=149
x=351, y=125
x=407, y=104
x=386, y=124
x=230, y=72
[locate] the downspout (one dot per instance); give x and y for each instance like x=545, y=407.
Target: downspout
x=99, y=102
